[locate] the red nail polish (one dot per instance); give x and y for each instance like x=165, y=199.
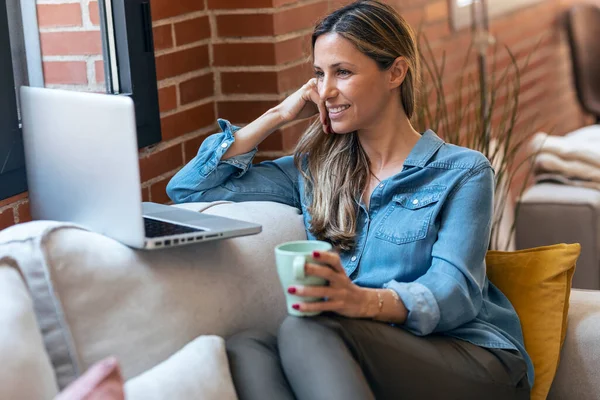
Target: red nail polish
x=316, y=254
x=292, y=290
x=296, y=306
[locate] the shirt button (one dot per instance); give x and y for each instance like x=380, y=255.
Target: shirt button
x=381, y=185
x=223, y=145
x=353, y=258
x=415, y=202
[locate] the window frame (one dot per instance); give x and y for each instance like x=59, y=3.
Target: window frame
x=13, y=178
x=461, y=15
x=132, y=55
x=128, y=46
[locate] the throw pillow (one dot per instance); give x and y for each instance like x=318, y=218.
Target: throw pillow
x=538, y=283
x=198, y=371
x=102, y=381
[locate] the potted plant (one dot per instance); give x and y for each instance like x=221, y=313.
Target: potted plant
x=481, y=113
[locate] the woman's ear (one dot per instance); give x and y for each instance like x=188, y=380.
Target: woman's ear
x=398, y=72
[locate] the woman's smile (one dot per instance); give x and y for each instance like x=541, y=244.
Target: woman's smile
x=337, y=111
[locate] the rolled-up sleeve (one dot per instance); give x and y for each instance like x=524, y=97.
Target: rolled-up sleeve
x=449, y=294
x=208, y=178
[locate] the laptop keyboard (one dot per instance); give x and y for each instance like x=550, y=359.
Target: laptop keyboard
x=156, y=228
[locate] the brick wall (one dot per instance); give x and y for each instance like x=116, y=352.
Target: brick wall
x=236, y=58
x=71, y=44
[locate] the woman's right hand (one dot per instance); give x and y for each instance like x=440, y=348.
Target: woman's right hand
x=304, y=103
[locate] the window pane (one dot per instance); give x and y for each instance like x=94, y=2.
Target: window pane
x=71, y=44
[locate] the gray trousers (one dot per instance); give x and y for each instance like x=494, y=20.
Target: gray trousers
x=331, y=357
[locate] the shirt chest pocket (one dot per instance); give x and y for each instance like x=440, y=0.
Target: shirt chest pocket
x=409, y=215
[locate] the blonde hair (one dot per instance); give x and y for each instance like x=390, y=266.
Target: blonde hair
x=336, y=168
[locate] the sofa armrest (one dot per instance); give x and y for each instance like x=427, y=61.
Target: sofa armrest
x=26, y=373
x=552, y=213
x=97, y=297
x=578, y=375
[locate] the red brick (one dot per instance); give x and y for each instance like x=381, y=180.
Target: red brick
x=181, y=62
x=437, y=30
x=245, y=25
x=187, y=121
x=7, y=218
x=13, y=199
x=162, y=9
x=244, y=54
x=235, y=4
x=291, y=133
x=414, y=17
x=190, y=147
x=65, y=72
x=273, y=142
x=292, y=49
x=249, y=82
x=260, y=158
x=294, y=19
x=243, y=111
x=437, y=10
x=160, y=162
x=94, y=13
x=163, y=37
x=51, y=15
x=99, y=66
x=192, y=30
x=294, y=77
x=71, y=43
x=335, y=4
x=158, y=191
x=196, y=89
x=145, y=194
x=23, y=212
x=167, y=98
x=279, y=3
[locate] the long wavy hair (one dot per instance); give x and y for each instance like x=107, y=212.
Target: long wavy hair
x=336, y=168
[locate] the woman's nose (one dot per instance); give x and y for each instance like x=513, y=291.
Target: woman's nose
x=327, y=89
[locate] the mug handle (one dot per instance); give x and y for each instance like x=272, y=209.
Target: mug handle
x=298, y=267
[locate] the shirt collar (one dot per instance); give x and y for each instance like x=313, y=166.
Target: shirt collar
x=425, y=148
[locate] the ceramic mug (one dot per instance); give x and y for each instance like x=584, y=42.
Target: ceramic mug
x=290, y=259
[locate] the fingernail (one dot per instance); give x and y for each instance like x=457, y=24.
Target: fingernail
x=316, y=254
x=291, y=290
x=296, y=306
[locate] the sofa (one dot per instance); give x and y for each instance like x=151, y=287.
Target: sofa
x=554, y=213
x=93, y=297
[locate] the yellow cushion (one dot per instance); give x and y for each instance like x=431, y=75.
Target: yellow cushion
x=538, y=284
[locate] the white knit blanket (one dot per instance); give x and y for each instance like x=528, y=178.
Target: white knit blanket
x=575, y=156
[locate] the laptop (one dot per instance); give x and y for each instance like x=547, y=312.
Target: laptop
x=82, y=165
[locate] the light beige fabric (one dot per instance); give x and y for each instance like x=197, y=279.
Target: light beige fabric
x=580, y=145
x=198, y=371
x=548, y=162
x=26, y=373
x=23, y=246
x=578, y=375
x=559, y=178
x=143, y=306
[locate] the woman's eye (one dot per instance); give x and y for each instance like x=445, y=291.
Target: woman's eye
x=319, y=74
x=344, y=72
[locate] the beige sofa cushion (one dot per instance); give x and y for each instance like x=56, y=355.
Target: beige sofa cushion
x=143, y=306
x=26, y=373
x=578, y=374
x=198, y=371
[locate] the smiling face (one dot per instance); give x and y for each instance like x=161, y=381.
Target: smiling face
x=356, y=92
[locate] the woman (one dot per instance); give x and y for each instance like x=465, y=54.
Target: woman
x=409, y=311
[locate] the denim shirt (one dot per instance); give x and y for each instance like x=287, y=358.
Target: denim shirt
x=425, y=234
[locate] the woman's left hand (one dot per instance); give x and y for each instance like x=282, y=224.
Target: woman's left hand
x=343, y=296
